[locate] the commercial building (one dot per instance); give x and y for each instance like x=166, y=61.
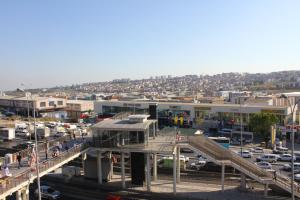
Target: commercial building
x=193, y=114
x=20, y=105
x=75, y=108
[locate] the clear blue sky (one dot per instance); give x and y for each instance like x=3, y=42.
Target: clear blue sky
x=58, y=42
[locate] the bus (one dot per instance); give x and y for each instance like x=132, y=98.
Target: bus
x=223, y=141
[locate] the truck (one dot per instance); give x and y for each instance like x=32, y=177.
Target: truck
x=43, y=132
x=7, y=133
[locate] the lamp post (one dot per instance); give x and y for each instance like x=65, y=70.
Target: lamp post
x=36, y=154
x=241, y=124
x=28, y=110
x=292, y=107
x=36, y=143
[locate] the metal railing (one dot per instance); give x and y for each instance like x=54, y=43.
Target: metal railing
x=216, y=151
x=28, y=175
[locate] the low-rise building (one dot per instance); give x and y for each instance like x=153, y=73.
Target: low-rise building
x=21, y=105
x=77, y=107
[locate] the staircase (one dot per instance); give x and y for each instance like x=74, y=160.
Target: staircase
x=221, y=155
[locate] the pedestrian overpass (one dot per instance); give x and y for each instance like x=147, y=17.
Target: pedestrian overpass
x=222, y=156
x=19, y=182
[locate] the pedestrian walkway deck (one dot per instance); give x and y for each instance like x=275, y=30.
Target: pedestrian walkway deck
x=25, y=175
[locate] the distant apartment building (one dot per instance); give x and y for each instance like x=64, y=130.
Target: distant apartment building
x=75, y=108
x=20, y=105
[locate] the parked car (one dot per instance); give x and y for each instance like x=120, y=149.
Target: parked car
x=297, y=177
x=198, y=165
x=280, y=150
x=48, y=192
x=264, y=165
x=22, y=133
x=297, y=155
x=267, y=158
x=185, y=158
x=186, y=150
x=245, y=154
x=286, y=157
x=258, y=150
x=60, y=134
x=288, y=167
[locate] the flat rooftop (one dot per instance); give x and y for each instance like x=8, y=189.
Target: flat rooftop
x=161, y=144
x=122, y=124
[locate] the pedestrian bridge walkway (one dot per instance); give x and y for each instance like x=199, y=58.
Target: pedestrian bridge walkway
x=24, y=176
x=223, y=156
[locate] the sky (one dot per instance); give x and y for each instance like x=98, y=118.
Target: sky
x=62, y=42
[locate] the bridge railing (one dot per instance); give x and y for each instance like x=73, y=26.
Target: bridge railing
x=25, y=176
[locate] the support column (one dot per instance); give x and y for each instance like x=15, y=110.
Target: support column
x=83, y=158
x=155, y=167
x=223, y=177
x=148, y=171
x=123, y=170
x=99, y=166
x=243, y=181
x=178, y=165
x=111, y=166
x=25, y=193
x=266, y=190
x=19, y=195
x=174, y=173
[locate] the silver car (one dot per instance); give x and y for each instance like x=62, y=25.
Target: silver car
x=48, y=192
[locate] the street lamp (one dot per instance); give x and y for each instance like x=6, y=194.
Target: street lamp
x=292, y=107
x=28, y=117
x=36, y=144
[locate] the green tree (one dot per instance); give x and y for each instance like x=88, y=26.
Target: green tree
x=260, y=124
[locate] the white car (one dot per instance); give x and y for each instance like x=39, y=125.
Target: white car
x=297, y=177
x=60, y=134
x=22, y=133
x=264, y=165
x=198, y=165
x=258, y=150
x=245, y=154
x=286, y=157
x=288, y=167
x=184, y=158
x=267, y=158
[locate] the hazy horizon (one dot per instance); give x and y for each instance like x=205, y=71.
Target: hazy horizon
x=54, y=43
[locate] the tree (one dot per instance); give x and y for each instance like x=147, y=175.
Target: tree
x=260, y=124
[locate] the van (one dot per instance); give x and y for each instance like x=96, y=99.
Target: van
x=267, y=158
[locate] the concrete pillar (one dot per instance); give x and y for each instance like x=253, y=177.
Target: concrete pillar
x=174, y=174
x=99, y=167
x=19, y=195
x=83, y=158
x=25, y=193
x=155, y=167
x=123, y=170
x=178, y=165
x=223, y=177
x=148, y=172
x=154, y=130
x=266, y=190
x=111, y=166
x=243, y=181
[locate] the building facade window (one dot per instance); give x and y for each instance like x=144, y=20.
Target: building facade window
x=42, y=104
x=60, y=103
x=51, y=103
